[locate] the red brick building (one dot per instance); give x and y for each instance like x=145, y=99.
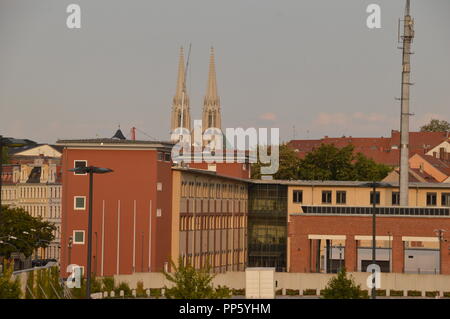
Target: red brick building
x=132, y=205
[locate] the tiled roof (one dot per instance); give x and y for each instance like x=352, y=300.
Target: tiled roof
x=441, y=165
x=381, y=149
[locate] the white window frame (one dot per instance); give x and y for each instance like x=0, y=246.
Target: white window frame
x=158, y=212
x=159, y=186
x=74, y=166
x=84, y=237
x=75, y=203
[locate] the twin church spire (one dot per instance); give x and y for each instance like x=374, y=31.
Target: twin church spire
x=211, y=104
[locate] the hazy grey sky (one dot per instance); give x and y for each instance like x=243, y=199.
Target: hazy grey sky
x=309, y=63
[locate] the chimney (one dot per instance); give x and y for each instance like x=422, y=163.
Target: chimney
x=442, y=153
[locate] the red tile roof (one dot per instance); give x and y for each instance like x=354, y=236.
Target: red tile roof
x=381, y=149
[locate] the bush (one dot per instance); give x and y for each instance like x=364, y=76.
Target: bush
x=396, y=293
x=432, y=294
x=223, y=292
x=9, y=288
x=126, y=289
x=238, y=292
x=278, y=292
x=310, y=292
x=381, y=292
x=341, y=287
x=156, y=292
x=292, y=292
x=447, y=294
x=414, y=293
x=140, y=290
x=108, y=283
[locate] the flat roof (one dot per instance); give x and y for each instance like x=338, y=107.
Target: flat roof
x=114, y=143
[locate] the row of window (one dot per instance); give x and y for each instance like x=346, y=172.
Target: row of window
x=211, y=222
x=32, y=192
x=79, y=203
x=211, y=190
x=379, y=210
x=341, y=198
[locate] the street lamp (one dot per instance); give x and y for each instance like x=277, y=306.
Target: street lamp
x=374, y=186
x=91, y=170
x=440, y=236
x=9, y=142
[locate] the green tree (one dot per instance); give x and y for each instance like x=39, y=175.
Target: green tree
x=9, y=288
x=340, y=164
x=191, y=283
x=4, y=158
x=341, y=287
x=288, y=164
x=23, y=231
x=436, y=125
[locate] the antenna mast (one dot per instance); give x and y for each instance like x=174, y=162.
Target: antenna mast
x=407, y=39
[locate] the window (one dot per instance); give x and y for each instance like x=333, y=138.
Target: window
x=377, y=198
x=159, y=187
x=326, y=197
x=395, y=198
x=79, y=163
x=341, y=197
x=79, y=202
x=158, y=212
x=297, y=196
x=445, y=199
x=78, y=237
x=431, y=199
x=160, y=156
x=167, y=157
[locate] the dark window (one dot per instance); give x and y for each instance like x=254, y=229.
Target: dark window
x=445, y=199
x=80, y=164
x=160, y=156
x=377, y=198
x=395, y=198
x=79, y=237
x=326, y=197
x=167, y=157
x=341, y=197
x=298, y=196
x=431, y=199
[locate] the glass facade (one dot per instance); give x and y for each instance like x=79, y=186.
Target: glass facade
x=267, y=226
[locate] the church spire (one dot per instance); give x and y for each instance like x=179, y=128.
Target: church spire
x=180, y=108
x=211, y=103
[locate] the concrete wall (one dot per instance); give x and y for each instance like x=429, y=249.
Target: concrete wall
x=302, y=281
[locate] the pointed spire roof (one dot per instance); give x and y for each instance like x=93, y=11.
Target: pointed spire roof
x=211, y=92
x=181, y=82
x=119, y=135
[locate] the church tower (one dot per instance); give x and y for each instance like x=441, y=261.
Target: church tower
x=211, y=104
x=181, y=116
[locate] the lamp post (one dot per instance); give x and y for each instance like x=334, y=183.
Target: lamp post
x=440, y=236
x=374, y=186
x=91, y=170
x=9, y=142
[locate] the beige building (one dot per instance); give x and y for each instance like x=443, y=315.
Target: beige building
x=209, y=219
x=36, y=188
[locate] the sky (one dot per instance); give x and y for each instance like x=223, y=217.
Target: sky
x=311, y=68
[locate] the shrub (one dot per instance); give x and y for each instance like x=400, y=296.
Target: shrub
x=156, y=292
x=223, y=292
x=310, y=292
x=341, y=287
x=414, y=293
x=140, y=291
x=381, y=292
x=292, y=292
x=108, y=283
x=396, y=293
x=447, y=294
x=126, y=289
x=238, y=292
x=432, y=294
x=278, y=292
x=9, y=288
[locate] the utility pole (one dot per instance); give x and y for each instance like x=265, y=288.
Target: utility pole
x=407, y=38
